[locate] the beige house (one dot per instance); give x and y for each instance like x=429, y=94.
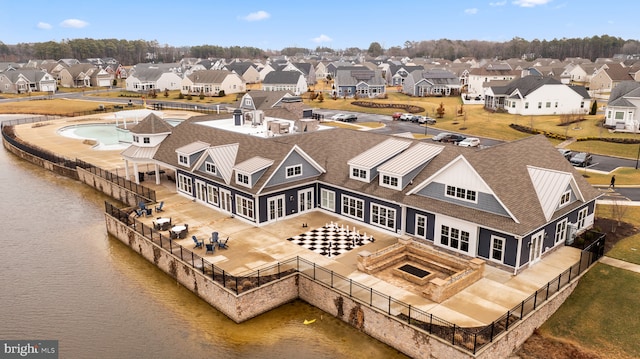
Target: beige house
x=211, y=82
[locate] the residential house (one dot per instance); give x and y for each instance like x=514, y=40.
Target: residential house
x=321, y=71
x=246, y=70
x=623, y=107
x=265, y=70
x=580, y=74
x=293, y=81
x=399, y=73
x=608, y=76
x=84, y=75
x=433, y=82
x=479, y=78
x=509, y=204
x=211, y=82
x=19, y=81
x=360, y=82
x=153, y=78
x=538, y=95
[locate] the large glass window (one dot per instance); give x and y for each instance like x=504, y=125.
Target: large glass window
x=353, y=207
x=561, y=231
x=185, y=184
x=244, y=207
x=383, y=216
x=454, y=238
x=213, y=195
x=582, y=216
x=328, y=200
x=497, y=248
x=210, y=167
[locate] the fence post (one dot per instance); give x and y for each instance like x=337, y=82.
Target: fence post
x=570, y=268
x=237, y=285
x=492, y=327
x=370, y=296
x=389, y=305
x=430, y=323
x=521, y=309
x=506, y=325
x=278, y=270
x=559, y=281
x=535, y=300
x=350, y=286
x=409, y=315
x=224, y=278
x=453, y=337
x=314, y=270
x=258, y=277
x=475, y=342
x=547, y=295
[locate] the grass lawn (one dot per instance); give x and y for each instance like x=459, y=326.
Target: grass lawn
x=627, y=249
x=601, y=314
x=624, y=176
x=173, y=96
x=50, y=107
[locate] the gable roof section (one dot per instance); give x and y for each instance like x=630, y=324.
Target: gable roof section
x=549, y=186
x=624, y=89
x=224, y=157
x=209, y=76
x=525, y=85
x=302, y=154
x=465, y=174
x=134, y=152
x=379, y=153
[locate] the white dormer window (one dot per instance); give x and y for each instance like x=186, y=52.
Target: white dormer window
x=183, y=160
x=294, y=171
x=359, y=174
x=210, y=167
x=389, y=181
x=565, y=198
x=242, y=179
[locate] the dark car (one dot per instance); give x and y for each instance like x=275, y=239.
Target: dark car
x=349, y=118
x=582, y=159
x=453, y=138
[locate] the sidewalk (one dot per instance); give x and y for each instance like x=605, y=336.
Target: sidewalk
x=620, y=264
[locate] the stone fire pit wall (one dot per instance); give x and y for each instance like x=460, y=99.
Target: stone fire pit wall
x=464, y=271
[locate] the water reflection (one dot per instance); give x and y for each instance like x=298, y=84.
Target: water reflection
x=64, y=278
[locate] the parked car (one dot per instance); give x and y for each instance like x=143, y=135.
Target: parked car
x=406, y=117
x=566, y=153
x=337, y=116
x=348, y=118
x=396, y=115
x=428, y=120
x=453, y=138
x=470, y=142
x=582, y=159
x=440, y=136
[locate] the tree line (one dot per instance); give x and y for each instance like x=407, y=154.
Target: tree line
x=130, y=52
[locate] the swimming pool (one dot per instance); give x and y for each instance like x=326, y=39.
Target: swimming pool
x=108, y=136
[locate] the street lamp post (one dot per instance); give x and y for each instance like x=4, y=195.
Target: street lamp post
x=426, y=122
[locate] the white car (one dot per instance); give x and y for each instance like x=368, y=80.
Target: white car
x=469, y=142
x=337, y=116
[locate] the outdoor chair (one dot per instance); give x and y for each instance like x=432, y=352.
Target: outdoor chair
x=211, y=248
x=214, y=238
x=197, y=242
x=223, y=245
x=138, y=213
x=159, y=207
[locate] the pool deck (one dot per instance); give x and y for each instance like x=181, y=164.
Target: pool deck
x=252, y=247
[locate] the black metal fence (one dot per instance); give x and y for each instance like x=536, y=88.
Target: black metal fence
x=470, y=339
x=146, y=194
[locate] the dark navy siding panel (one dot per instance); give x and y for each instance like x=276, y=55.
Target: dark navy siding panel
x=486, y=202
x=510, y=244
x=411, y=223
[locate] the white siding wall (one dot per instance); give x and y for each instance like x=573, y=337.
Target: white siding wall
x=568, y=102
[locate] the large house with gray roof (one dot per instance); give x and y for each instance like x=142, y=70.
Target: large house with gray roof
x=294, y=81
x=359, y=81
x=510, y=204
x=211, y=82
x=538, y=95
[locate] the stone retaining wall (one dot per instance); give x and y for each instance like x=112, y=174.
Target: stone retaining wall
x=238, y=308
x=55, y=168
x=107, y=187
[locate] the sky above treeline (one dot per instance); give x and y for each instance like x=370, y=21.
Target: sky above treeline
x=274, y=25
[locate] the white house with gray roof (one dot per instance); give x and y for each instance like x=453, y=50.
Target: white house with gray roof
x=433, y=82
x=509, y=204
x=360, y=81
x=294, y=81
x=538, y=95
x=153, y=78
